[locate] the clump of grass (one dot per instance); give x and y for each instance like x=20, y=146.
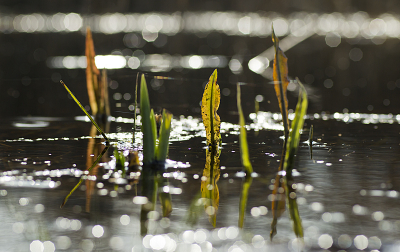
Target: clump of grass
x=153, y=152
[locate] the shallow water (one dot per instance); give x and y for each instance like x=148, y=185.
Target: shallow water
x=347, y=193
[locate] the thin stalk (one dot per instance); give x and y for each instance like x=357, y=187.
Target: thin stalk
x=81, y=180
x=134, y=119
x=84, y=110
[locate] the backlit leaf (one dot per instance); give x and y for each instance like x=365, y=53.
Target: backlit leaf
x=163, y=143
x=209, y=107
x=244, y=148
x=92, y=73
x=281, y=80
x=297, y=125
x=148, y=126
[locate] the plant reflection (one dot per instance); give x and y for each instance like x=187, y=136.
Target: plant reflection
x=209, y=187
x=153, y=185
x=93, y=150
x=92, y=164
x=243, y=198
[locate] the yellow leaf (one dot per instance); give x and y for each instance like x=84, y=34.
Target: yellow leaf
x=209, y=107
x=281, y=80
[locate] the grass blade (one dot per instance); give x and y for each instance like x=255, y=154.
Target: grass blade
x=281, y=80
x=297, y=125
x=244, y=148
x=209, y=106
x=134, y=118
x=84, y=110
x=147, y=125
x=81, y=180
x=291, y=150
x=163, y=143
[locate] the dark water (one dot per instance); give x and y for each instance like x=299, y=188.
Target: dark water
x=347, y=194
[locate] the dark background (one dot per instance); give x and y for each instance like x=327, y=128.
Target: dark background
x=28, y=87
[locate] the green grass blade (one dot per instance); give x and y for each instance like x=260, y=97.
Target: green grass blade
x=81, y=180
x=243, y=199
x=163, y=143
x=244, y=148
x=147, y=125
x=153, y=130
x=84, y=110
x=297, y=125
x=134, y=118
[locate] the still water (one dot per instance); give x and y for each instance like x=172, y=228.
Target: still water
x=347, y=192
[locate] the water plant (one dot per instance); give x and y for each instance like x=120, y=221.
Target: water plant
x=291, y=150
x=209, y=106
x=283, y=185
x=153, y=153
x=212, y=123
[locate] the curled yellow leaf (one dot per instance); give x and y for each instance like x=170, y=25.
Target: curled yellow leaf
x=209, y=107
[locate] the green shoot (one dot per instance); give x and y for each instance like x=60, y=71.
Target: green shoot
x=151, y=151
x=147, y=124
x=84, y=110
x=244, y=148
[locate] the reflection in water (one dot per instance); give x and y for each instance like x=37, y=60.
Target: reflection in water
x=93, y=151
x=341, y=207
x=209, y=187
x=243, y=198
x=153, y=185
x=92, y=164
